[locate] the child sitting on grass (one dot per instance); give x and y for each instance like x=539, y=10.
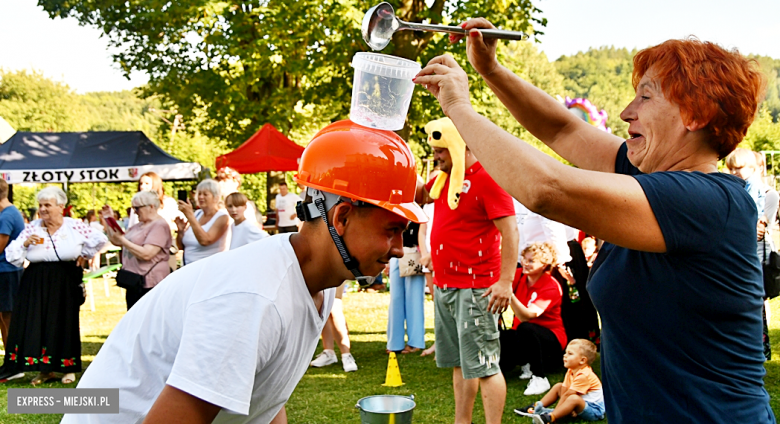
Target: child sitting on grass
x=580, y=394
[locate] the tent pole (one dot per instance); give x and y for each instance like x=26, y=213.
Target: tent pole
x=268, y=192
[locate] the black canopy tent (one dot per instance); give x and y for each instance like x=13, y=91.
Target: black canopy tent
x=81, y=157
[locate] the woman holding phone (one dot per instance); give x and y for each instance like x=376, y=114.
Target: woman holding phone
x=145, y=246
x=205, y=231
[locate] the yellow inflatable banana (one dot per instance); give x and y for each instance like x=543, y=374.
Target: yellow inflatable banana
x=442, y=133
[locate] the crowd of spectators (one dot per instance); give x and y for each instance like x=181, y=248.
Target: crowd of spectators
x=45, y=257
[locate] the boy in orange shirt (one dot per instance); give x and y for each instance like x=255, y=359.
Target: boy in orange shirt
x=580, y=394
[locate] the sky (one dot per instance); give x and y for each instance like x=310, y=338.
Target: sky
x=79, y=57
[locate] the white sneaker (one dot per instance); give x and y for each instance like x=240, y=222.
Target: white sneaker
x=537, y=386
x=15, y=376
x=325, y=358
x=348, y=361
x=523, y=413
x=526, y=372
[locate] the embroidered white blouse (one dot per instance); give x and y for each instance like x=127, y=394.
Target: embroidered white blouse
x=73, y=239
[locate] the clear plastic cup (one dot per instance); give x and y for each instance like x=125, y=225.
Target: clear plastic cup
x=382, y=90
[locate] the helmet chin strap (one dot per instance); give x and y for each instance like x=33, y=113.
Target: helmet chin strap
x=323, y=202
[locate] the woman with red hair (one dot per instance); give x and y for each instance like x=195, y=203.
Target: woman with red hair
x=678, y=281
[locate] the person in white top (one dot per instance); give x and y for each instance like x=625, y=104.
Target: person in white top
x=242, y=231
x=229, y=181
x=425, y=254
x=169, y=209
x=93, y=220
x=227, y=339
x=44, y=334
x=205, y=231
x=286, y=218
x=536, y=228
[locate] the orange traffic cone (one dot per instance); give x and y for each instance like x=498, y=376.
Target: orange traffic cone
x=393, y=378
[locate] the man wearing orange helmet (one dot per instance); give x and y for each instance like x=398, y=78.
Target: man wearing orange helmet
x=228, y=338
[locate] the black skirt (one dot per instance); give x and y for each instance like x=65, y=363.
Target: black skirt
x=44, y=332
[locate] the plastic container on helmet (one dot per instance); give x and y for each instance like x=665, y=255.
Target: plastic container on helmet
x=382, y=90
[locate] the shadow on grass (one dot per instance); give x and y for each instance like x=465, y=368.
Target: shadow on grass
x=92, y=348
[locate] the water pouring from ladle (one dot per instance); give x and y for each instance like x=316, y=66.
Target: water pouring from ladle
x=380, y=23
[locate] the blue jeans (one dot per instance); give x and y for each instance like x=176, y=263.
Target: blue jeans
x=407, y=304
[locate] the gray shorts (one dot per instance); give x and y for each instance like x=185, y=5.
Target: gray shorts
x=466, y=333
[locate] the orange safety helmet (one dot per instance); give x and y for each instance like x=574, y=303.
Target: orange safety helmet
x=361, y=163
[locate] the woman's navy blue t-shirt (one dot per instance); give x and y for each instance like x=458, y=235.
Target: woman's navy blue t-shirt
x=681, y=330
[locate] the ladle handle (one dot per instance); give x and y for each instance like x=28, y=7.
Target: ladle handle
x=487, y=33
x=503, y=34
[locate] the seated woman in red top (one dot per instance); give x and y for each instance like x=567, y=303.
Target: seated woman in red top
x=537, y=338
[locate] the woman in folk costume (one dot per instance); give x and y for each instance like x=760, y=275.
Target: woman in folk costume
x=44, y=334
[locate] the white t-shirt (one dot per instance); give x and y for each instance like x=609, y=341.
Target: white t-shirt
x=245, y=233
x=533, y=227
x=194, y=251
x=73, y=239
x=250, y=213
x=218, y=330
x=571, y=233
x=285, y=206
x=97, y=226
x=169, y=211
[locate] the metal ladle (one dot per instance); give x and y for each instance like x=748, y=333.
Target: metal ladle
x=380, y=23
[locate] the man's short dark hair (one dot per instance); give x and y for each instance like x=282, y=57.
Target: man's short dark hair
x=282, y=184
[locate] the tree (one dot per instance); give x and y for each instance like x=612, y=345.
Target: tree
x=31, y=102
x=763, y=134
x=239, y=65
x=603, y=76
x=119, y=111
x=527, y=62
x=771, y=68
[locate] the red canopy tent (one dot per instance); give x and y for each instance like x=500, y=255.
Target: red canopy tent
x=267, y=150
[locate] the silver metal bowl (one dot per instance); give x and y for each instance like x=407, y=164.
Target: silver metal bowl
x=386, y=409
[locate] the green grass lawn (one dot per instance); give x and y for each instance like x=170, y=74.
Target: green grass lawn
x=328, y=395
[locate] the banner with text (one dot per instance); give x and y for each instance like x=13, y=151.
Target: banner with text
x=180, y=171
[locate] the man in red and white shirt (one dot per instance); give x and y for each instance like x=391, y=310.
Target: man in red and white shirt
x=473, y=258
